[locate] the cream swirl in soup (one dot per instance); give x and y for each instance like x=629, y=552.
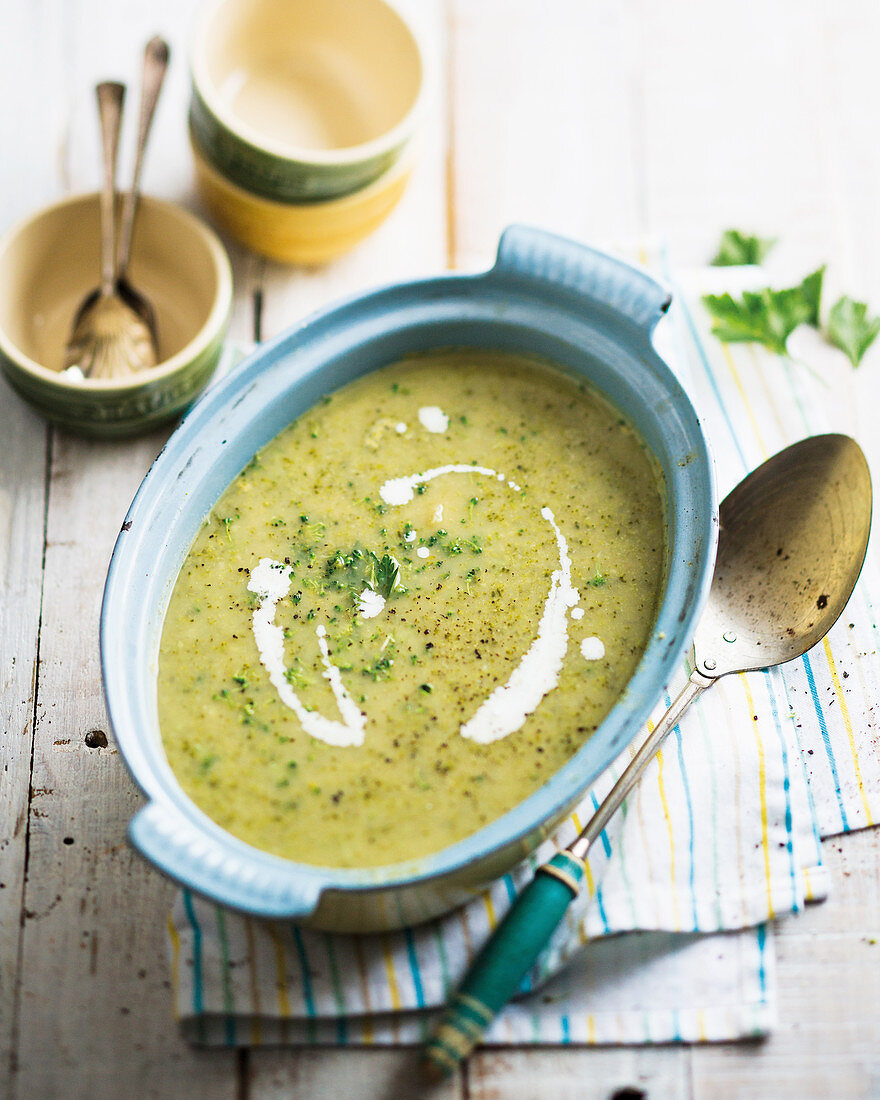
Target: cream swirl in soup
x=411, y=608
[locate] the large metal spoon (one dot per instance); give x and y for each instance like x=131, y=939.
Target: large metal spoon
x=793, y=537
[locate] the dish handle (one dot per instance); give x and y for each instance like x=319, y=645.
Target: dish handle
x=536, y=254
x=257, y=884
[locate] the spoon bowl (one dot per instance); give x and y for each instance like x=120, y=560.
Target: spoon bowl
x=111, y=334
x=792, y=540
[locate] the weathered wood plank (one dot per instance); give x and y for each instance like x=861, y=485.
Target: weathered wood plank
x=94, y=1006
x=370, y=1074
x=828, y=964
x=22, y=500
x=579, y=1074
x=544, y=122
x=36, y=137
x=94, y=971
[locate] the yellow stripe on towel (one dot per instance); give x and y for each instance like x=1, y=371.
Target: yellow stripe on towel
x=662, y=788
x=762, y=787
x=393, y=986
x=175, y=964
x=734, y=373
x=280, y=973
x=847, y=722
x=366, y=1021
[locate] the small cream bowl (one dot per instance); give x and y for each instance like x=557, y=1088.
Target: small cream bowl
x=50, y=261
x=298, y=100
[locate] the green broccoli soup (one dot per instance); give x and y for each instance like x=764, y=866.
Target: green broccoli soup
x=410, y=609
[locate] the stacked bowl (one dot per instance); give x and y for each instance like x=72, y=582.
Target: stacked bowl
x=302, y=120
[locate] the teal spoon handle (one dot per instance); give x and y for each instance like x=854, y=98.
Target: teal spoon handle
x=505, y=960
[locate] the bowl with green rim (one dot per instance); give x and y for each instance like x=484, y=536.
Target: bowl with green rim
x=50, y=261
x=296, y=101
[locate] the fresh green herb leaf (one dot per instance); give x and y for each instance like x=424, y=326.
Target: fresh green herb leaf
x=352, y=570
x=736, y=248
x=851, y=329
x=811, y=291
x=766, y=316
x=384, y=575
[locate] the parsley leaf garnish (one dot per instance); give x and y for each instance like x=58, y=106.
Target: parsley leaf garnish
x=384, y=575
x=766, y=316
x=851, y=329
x=736, y=248
x=351, y=571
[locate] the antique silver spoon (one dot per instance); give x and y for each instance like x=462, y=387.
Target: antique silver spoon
x=156, y=55
x=108, y=335
x=793, y=537
x=114, y=332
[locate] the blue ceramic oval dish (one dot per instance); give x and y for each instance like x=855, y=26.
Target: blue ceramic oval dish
x=587, y=312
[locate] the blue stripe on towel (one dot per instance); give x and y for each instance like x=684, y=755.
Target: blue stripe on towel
x=786, y=785
x=308, y=997
x=606, y=846
x=690, y=815
x=826, y=740
x=338, y=992
x=414, y=967
x=198, y=987
x=762, y=968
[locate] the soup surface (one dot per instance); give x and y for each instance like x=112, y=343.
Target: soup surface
x=410, y=609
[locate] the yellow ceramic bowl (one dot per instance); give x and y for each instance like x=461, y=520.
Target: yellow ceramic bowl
x=50, y=261
x=305, y=100
x=300, y=233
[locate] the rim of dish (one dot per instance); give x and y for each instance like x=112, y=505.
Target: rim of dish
x=329, y=158
x=208, y=332
x=537, y=809
x=401, y=166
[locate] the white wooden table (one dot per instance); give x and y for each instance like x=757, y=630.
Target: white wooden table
x=609, y=122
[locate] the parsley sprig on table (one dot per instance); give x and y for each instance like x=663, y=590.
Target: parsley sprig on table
x=851, y=329
x=766, y=316
x=737, y=248
x=769, y=316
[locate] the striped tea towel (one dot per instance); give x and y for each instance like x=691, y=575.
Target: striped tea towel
x=719, y=838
